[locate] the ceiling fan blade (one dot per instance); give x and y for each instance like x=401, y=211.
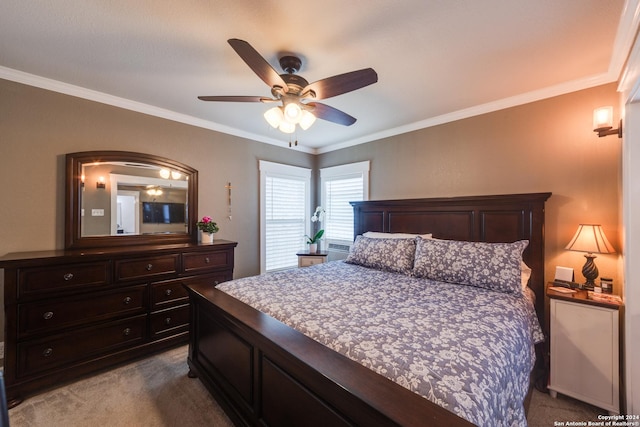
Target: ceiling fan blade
x=325, y=112
x=257, y=63
x=342, y=83
x=235, y=98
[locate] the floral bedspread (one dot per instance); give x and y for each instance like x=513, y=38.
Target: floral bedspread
x=465, y=348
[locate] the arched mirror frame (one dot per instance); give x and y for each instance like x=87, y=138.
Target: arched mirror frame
x=73, y=201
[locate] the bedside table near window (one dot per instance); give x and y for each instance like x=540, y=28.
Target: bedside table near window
x=585, y=349
x=306, y=258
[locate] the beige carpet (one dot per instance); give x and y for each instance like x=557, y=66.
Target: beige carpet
x=157, y=392
x=150, y=392
x=545, y=411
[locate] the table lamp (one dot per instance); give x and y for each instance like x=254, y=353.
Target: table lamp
x=591, y=239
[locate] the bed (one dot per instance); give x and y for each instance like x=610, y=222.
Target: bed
x=291, y=368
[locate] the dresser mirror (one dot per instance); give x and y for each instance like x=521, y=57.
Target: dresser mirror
x=116, y=198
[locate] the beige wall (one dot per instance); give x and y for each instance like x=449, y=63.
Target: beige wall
x=543, y=146
x=539, y=147
x=38, y=127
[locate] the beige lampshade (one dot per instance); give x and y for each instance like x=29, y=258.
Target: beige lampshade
x=590, y=238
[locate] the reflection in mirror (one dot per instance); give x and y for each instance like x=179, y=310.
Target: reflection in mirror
x=122, y=198
x=135, y=200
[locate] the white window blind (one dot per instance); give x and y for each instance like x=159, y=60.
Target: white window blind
x=339, y=213
x=284, y=209
x=341, y=185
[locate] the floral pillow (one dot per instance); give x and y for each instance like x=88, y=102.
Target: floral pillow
x=394, y=255
x=494, y=266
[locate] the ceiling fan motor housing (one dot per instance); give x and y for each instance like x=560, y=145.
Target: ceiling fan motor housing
x=290, y=64
x=294, y=82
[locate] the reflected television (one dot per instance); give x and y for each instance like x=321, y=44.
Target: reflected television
x=163, y=213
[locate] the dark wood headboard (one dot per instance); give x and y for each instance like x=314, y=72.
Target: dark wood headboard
x=499, y=218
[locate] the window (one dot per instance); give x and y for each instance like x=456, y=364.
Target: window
x=284, y=213
x=341, y=185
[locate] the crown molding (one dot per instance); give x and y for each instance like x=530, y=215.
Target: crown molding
x=104, y=98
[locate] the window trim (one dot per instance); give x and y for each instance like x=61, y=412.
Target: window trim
x=285, y=171
x=346, y=170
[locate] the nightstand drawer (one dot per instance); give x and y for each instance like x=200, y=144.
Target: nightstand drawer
x=39, y=280
x=143, y=268
x=307, y=259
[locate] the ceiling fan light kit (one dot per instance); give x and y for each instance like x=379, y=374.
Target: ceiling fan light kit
x=291, y=90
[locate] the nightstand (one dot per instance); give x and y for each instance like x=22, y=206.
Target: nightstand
x=306, y=258
x=585, y=349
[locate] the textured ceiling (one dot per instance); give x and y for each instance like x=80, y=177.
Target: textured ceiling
x=436, y=60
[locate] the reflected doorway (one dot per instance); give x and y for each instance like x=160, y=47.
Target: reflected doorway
x=128, y=212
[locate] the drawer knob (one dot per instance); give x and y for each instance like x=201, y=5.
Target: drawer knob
x=127, y=300
x=168, y=292
x=47, y=352
x=68, y=276
x=126, y=332
x=167, y=321
x=47, y=315
x=149, y=267
x=207, y=260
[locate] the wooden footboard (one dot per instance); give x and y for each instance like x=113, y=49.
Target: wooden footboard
x=263, y=372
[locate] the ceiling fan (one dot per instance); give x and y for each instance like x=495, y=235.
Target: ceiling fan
x=294, y=92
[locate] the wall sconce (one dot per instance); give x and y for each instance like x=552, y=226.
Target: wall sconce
x=603, y=122
x=82, y=181
x=591, y=239
x=101, y=183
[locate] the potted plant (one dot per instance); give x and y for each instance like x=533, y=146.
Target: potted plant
x=313, y=241
x=207, y=226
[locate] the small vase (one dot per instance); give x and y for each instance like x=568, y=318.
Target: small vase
x=313, y=248
x=206, y=238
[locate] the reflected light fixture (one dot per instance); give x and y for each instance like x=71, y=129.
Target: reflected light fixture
x=101, y=183
x=166, y=173
x=154, y=191
x=590, y=238
x=603, y=122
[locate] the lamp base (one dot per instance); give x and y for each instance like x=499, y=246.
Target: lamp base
x=589, y=271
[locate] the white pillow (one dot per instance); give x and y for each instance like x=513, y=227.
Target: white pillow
x=377, y=235
x=525, y=274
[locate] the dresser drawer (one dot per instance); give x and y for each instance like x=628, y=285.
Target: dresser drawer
x=36, y=281
x=199, y=261
x=171, y=321
x=142, y=268
x=63, y=312
x=40, y=355
x=173, y=292
x=169, y=292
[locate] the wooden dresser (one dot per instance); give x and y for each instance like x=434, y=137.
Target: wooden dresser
x=72, y=312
